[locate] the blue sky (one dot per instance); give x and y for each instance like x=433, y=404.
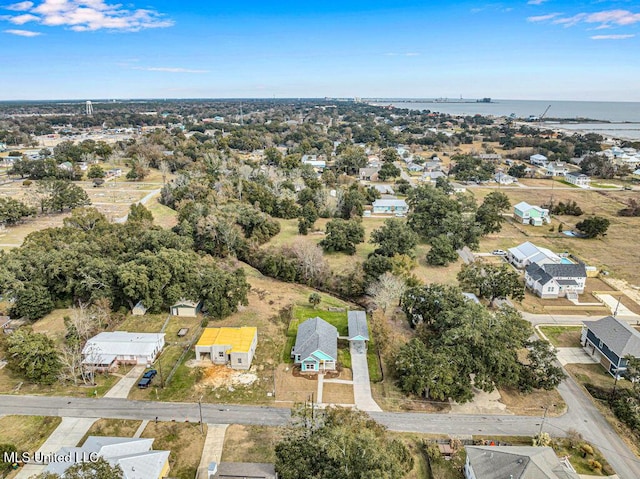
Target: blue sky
x=540, y=49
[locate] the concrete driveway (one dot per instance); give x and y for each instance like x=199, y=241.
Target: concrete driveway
x=121, y=389
x=361, y=384
x=68, y=434
x=574, y=356
x=612, y=303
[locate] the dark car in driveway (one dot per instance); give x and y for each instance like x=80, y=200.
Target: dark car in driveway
x=144, y=383
x=150, y=374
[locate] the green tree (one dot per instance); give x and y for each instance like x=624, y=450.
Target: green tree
x=491, y=281
x=389, y=155
x=387, y=171
x=33, y=356
x=351, y=159
x=340, y=444
x=32, y=302
x=540, y=371
x=442, y=251
x=314, y=299
x=342, y=235
x=351, y=204
x=632, y=373
x=489, y=214
x=6, y=466
x=424, y=304
x=594, y=227
x=12, y=211
x=517, y=171
x=139, y=214
x=60, y=195
x=96, y=171
x=394, y=238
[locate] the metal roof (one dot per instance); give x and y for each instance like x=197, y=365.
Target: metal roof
x=122, y=343
x=239, y=340
x=358, y=325
x=619, y=337
x=316, y=334
x=389, y=202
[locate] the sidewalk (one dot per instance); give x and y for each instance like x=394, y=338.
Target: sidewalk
x=121, y=389
x=212, y=450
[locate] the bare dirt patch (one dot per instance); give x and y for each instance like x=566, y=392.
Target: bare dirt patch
x=533, y=403
x=333, y=393
x=220, y=376
x=251, y=443
x=185, y=443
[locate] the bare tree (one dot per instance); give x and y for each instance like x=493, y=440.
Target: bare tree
x=313, y=265
x=165, y=169
x=386, y=290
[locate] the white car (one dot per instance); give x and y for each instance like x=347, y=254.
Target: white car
x=499, y=252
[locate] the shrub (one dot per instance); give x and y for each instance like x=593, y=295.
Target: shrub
x=595, y=465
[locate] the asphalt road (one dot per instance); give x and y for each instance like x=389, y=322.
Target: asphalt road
x=581, y=416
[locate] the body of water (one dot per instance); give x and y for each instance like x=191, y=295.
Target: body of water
x=624, y=116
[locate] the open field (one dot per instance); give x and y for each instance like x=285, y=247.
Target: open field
x=251, y=443
x=563, y=336
x=184, y=440
x=533, y=403
x=27, y=433
x=613, y=253
x=53, y=324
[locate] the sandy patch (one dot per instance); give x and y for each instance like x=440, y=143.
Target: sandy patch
x=482, y=403
x=219, y=376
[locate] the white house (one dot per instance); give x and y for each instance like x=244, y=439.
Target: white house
x=578, y=179
x=538, y=160
x=556, y=168
x=527, y=253
x=504, y=179
x=551, y=281
x=108, y=349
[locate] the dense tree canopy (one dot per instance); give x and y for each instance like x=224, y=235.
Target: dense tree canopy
x=33, y=356
x=394, y=237
x=342, y=235
x=594, y=226
x=340, y=444
x=491, y=281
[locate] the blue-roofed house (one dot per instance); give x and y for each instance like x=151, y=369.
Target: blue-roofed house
x=316, y=347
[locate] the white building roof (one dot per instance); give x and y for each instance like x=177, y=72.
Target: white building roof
x=389, y=202
x=529, y=252
x=122, y=343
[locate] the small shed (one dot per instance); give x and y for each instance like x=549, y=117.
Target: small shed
x=139, y=309
x=183, y=332
x=186, y=308
x=358, y=327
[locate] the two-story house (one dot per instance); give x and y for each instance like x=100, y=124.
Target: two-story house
x=609, y=340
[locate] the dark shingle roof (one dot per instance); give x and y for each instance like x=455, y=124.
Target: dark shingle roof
x=358, y=324
x=566, y=270
x=316, y=334
x=518, y=462
x=537, y=273
x=619, y=337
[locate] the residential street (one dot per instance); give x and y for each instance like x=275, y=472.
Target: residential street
x=582, y=416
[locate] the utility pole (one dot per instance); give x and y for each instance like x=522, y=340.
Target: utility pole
x=615, y=313
x=200, y=409
x=544, y=417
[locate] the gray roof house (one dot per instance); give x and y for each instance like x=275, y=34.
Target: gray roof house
x=134, y=456
x=316, y=347
x=358, y=326
x=609, y=340
x=527, y=253
x=241, y=470
x=550, y=281
x=521, y=462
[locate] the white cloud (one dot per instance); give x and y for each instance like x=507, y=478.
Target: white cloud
x=88, y=15
x=536, y=2
x=23, y=33
x=612, y=37
x=22, y=19
x=169, y=70
x=542, y=18
x=19, y=7
x=605, y=19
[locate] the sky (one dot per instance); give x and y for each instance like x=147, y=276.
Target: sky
x=535, y=49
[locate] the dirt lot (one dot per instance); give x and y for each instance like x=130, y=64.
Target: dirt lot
x=27, y=433
x=533, y=404
x=337, y=394
x=113, y=427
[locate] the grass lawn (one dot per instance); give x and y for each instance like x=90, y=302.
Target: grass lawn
x=113, y=427
x=564, y=447
x=185, y=442
x=302, y=313
x=162, y=215
x=563, y=336
x=533, y=403
x=27, y=433
x=251, y=443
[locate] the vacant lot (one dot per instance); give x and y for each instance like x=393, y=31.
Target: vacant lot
x=113, y=427
x=27, y=433
x=184, y=440
x=563, y=336
x=251, y=443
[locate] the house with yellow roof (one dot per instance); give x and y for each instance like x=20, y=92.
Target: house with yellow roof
x=232, y=346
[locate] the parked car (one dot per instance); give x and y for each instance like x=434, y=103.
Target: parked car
x=499, y=252
x=149, y=374
x=144, y=383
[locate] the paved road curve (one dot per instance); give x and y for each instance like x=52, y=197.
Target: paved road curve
x=582, y=416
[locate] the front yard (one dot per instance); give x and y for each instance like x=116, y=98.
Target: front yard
x=563, y=336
